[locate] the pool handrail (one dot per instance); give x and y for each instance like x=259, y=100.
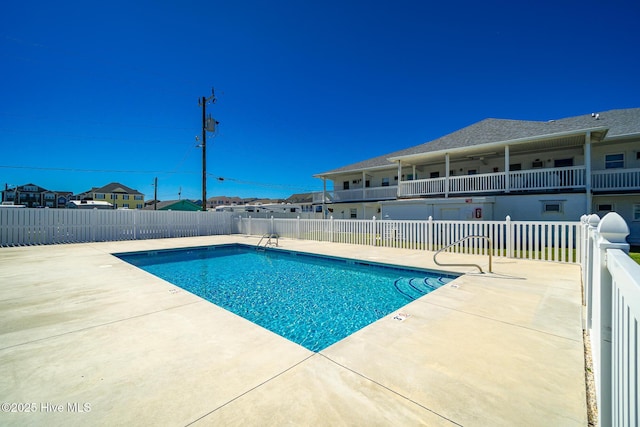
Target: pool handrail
x=487, y=239
x=268, y=242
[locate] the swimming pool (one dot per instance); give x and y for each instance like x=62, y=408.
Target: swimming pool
x=311, y=300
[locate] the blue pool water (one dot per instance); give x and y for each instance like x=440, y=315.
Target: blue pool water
x=311, y=300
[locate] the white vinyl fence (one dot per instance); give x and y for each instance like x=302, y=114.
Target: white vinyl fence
x=536, y=240
x=612, y=299
x=20, y=227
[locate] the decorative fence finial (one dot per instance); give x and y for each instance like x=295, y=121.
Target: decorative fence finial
x=613, y=228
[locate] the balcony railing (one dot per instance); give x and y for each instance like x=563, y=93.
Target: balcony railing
x=534, y=179
x=617, y=179
x=566, y=178
x=358, y=194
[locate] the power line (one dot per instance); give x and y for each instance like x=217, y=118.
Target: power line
x=42, y=168
x=217, y=178
x=40, y=118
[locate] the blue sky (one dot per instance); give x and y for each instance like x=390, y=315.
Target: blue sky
x=96, y=92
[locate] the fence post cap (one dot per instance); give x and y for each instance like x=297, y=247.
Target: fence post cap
x=613, y=228
x=593, y=220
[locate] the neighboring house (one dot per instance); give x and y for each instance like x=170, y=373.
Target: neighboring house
x=34, y=196
x=119, y=195
x=218, y=201
x=174, y=205
x=556, y=170
x=305, y=200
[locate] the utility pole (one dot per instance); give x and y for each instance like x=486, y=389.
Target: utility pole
x=208, y=124
x=155, y=194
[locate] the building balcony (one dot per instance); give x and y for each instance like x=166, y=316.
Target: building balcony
x=535, y=180
x=548, y=179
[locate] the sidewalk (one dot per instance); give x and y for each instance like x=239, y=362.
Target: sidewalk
x=83, y=330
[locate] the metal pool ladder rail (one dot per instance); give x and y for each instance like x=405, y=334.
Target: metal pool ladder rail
x=268, y=236
x=488, y=240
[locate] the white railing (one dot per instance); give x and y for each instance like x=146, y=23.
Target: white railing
x=535, y=240
x=20, y=227
x=478, y=183
x=371, y=193
x=570, y=177
x=421, y=187
x=612, y=300
x=616, y=179
x=548, y=179
x=533, y=179
x=317, y=197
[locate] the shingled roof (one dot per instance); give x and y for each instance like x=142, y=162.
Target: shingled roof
x=606, y=126
x=113, y=187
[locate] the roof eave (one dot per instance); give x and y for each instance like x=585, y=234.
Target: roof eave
x=516, y=141
x=348, y=171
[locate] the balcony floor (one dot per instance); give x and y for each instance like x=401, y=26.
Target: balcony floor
x=81, y=326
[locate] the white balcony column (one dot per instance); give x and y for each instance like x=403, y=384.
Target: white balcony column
x=414, y=172
x=324, y=196
x=446, y=175
x=587, y=170
x=399, y=179
x=507, y=183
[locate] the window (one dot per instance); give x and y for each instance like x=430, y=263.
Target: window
x=385, y=182
x=367, y=183
x=434, y=175
x=138, y=197
x=614, y=161
x=99, y=196
x=125, y=205
x=515, y=167
x=636, y=212
x=353, y=213
x=138, y=206
x=472, y=172
x=561, y=163
x=410, y=177
x=113, y=196
x=537, y=164
x=605, y=207
x=552, y=206
x=345, y=185
x=125, y=197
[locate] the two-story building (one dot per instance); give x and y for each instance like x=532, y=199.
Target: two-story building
x=119, y=195
x=529, y=170
x=34, y=196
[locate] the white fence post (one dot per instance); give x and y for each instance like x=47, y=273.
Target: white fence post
x=611, y=234
x=430, y=233
x=298, y=227
x=331, y=229
x=374, y=232
x=509, y=237
x=591, y=225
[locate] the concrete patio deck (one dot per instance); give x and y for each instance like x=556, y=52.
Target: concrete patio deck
x=87, y=339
